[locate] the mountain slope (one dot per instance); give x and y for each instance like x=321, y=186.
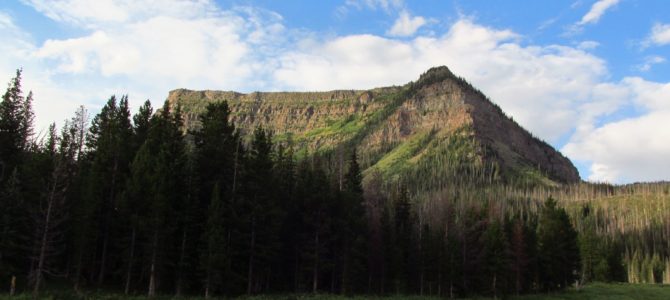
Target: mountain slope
x=436, y=127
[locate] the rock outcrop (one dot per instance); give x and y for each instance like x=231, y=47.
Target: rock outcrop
x=393, y=128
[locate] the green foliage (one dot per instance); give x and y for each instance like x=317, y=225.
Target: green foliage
x=146, y=208
x=341, y=128
x=399, y=160
x=557, y=242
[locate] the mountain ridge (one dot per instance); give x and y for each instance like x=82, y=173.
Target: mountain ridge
x=397, y=130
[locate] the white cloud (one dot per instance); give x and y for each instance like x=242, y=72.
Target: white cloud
x=146, y=50
x=52, y=101
x=588, y=45
x=650, y=61
x=386, y=5
x=635, y=148
x=660, y=35
x=98, y=13
x=526, y=82
x=406, y=25
x=5, y=20
x=597, y=11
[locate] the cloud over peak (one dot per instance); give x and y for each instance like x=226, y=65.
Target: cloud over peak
x=406, y=25
x=558, y=92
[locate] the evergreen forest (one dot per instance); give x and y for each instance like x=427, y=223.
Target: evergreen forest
x=133, y=203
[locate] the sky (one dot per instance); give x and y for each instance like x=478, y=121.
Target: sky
x=590, y=77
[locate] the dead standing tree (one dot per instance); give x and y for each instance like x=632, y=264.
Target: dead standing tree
x=51, y=211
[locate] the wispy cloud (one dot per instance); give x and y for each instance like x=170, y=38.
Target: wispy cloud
x=598, y=9
x=146, y=51
x=588, y=45
x=649, y=62
x=406, y=25
x=596, y=12
x=387, y=6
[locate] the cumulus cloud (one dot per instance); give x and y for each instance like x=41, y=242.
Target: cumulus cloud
x=192, y=50
x=145, y=50
x=52, y=101
x=660, y=35
x=634, y=148
x=406, y=25
x=539, y=86
x=598, y=9
x=98, y=13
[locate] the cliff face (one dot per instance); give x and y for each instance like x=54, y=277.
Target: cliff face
x=397, y=131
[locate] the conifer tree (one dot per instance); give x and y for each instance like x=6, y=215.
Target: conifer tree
x=557, y=248
x=497, y=257
x=110, y=135
x=215, y=256
x=353, y=231
x=16, y=129
x=218, y=160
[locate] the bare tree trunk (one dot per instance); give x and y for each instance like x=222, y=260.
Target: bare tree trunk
x=77, y=279
x=207, y=283
x=130, y=261
x=103, y=259
x=182, y=259
x=345, y=266
x=152, y=272
x=315, y=275
x=495, y=290
x=101, y=274
x=252, y=248
x=45, y=235
x=12, y=286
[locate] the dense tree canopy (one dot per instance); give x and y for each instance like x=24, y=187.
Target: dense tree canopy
x=137, y=205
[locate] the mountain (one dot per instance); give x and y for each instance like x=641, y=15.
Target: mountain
x=426, y=131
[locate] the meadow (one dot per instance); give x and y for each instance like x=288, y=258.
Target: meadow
x=595, y=291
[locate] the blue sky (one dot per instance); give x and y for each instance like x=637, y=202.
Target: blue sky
x=590, y=77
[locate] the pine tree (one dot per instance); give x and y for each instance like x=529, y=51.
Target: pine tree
x=169, y=167
x=557, y=246
x=353, y=230
x=133, y=202
x=108, y=140
x=497, y=256
x=520, y=260
x=15, y=127
x=218, y=160
x=215, y=255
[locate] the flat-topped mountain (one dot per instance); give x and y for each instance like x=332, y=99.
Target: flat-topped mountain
x=435, y=127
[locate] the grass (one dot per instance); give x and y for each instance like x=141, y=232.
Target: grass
x=596, y=291
x=610, y=291
x=398, y=159
x=342, y=127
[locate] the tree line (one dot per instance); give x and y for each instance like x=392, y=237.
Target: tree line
x=133, y=203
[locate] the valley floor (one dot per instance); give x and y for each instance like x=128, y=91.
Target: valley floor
x=595, y=291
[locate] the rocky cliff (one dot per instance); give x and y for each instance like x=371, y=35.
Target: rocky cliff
x=424, y=128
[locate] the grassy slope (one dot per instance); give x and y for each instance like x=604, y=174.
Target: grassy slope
x=609, y=291
x=594, y=291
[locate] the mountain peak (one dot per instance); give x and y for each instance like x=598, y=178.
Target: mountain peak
x=429, y=128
